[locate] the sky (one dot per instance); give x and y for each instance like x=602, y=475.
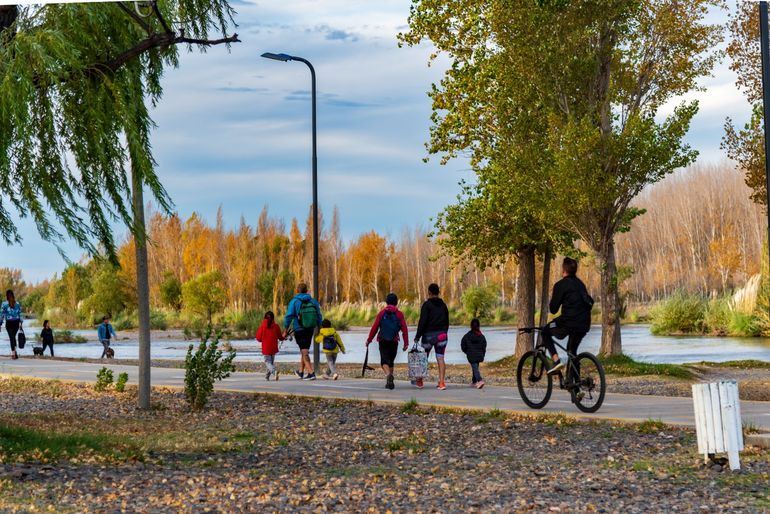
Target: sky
x=233, y=129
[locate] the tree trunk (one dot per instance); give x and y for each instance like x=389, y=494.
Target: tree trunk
x=611, y=344
x=544, y=290
x=142, y=288
x=525, y=299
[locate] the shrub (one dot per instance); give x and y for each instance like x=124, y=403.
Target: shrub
x=120, y=385
x=171, y=291
x=158, y=321
x=103, y=379
x=66, y=336
x=478, y=301
x=203, y=367
x=681, y=314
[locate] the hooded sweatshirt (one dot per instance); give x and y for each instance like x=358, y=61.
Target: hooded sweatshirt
x=330, y=332
x=474, y=346
x=434, y=317
x=269, y=337
x=292, y=312
x=376, y=326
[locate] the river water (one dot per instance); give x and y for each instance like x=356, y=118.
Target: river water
x=638, y=342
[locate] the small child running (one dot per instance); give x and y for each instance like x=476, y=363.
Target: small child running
x=332, y=344
x=474, y=346
x=269, y=334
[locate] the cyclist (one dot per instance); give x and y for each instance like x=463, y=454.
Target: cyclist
x=569, y=295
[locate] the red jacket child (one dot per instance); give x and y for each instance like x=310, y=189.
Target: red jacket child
x=269, y=334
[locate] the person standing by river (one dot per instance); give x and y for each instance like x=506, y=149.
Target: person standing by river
x=389, y=322
x=304, y=315
x=432, y=329
x=46, y=336
x=105, y=332
x=10, y=313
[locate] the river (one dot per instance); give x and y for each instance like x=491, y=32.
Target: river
x=638, y=343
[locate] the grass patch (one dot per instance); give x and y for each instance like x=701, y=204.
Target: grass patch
x=625, y=366
x=22, y=444
x=750, y=428
x=412, y=444
x=509, y=362
x=490, y=415
x=740, y=364
x=410, y=407
x=556, y=419
x=651, y=426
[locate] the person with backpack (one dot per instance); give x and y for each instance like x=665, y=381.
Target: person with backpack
x=10, y=313
x=432, y=329
x=105, y=332
x=389, y=322
x=46, y=336
x=571, y=296
x=303, y=315
x=332, y=344
x=269, y=333
x=474, y=346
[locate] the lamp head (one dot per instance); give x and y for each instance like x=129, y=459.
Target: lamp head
x=277, y=57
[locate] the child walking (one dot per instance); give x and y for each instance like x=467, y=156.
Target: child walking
x=46, y=335
x=332, y=344
x=269, y=334
x=474, y=346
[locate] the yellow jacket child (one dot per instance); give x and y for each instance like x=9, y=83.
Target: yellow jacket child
x=331, y=342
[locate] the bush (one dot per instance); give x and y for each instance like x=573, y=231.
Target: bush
x=681, y=314
x=203, y=367
x=103, y=379
x=158, y=321
x=171, y=291
x=65, y=336
x=120, y=385
x=478, y=301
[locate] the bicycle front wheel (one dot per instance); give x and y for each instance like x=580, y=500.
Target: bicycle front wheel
x=532, y=378
x=588, y=395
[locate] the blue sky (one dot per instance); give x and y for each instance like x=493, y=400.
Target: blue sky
x=234, y=129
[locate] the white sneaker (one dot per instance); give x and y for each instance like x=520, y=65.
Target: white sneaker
x=335, y=376
x=557, y=367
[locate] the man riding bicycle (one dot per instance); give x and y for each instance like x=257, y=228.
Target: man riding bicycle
x=571, y=296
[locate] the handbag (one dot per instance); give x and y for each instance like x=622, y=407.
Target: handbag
x=418, y=362
x=21, y=339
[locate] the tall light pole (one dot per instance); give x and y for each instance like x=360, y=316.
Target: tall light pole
x=316, y=293
x=764, y=41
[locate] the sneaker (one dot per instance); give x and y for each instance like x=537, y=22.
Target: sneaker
x=335, y=376
x=480, y=385
x=309, y=376
x=267, y=375
x=390, y=383
x=299, y=374
x=473, y=384
x=557, y=367
x=418, y=383
x=441, y=386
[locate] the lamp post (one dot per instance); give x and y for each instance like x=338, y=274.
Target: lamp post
x=286, y=58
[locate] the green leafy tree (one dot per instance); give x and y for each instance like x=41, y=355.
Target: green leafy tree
x=171, y=291
x=204, y=295
x=108, y=296
x=582, y=84
x=203, y=367
x=479, y=300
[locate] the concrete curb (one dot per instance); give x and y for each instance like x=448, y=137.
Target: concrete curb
x=761, y=440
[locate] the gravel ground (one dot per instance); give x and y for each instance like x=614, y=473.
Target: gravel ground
x=256, y=453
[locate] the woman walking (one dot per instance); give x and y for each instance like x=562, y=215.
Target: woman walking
x=10, y=312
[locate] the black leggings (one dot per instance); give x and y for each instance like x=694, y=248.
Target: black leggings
x=575, y=338
x=50, y=345
x=12, y=326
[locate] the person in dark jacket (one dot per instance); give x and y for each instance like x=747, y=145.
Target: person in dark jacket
x=474, y=346
x=569, y=295
x=432, y=330
x=46, y=336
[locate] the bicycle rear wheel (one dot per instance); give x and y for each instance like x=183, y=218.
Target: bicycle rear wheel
x=534, y=383
x=588, y=395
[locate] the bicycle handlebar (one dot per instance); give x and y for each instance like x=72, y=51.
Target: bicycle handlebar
x=529, y=330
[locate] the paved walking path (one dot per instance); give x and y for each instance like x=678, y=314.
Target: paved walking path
x=616, y=406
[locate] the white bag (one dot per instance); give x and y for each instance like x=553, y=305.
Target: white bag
x=418, y=362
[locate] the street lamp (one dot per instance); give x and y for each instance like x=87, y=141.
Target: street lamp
x=286, y=58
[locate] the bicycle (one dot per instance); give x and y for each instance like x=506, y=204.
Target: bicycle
x=585, y=378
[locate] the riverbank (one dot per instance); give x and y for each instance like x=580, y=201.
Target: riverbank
x=254, y=453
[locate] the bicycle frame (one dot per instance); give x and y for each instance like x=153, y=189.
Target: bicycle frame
x=571, y=359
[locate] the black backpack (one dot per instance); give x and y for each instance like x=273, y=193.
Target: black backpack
x=389, y=326
x=330, y=343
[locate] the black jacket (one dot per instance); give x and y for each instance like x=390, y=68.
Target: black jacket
x=46, y=335
x=474, y=346
x=571, y=296
x=434, y=317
